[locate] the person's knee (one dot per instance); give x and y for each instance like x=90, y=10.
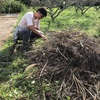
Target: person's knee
x=23, y=34
x=26, y=33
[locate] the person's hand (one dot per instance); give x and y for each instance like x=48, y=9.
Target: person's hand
x=43, y=37
x=40, y=32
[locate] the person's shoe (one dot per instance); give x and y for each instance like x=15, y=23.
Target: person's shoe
x=25, y=49
x=15, y=42
x=31, y=41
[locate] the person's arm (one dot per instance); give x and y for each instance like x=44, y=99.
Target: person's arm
x=37, y=24
x=37, y=28
x=31, y=27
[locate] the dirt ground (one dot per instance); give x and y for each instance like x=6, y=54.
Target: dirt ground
x=7, y=23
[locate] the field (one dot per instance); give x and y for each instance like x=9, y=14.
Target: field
x=16, y=82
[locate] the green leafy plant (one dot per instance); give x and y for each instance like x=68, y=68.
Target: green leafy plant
x=12, y=7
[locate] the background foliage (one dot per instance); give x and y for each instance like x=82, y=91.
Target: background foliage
x=11, y=6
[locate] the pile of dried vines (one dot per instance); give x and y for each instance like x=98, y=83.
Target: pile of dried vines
x=73, y=59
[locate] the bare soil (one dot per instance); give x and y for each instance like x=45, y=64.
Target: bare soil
x=7, y=23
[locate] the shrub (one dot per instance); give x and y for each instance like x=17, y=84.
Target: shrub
x=14, y=7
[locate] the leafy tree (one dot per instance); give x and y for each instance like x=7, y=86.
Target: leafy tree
x=81, y=5
x=61, y=5
x=11, y=6
x=26, y=2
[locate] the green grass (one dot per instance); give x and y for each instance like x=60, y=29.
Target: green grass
x=13, y=84
x=70, y=20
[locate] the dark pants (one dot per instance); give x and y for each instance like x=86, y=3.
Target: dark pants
x=26, y=36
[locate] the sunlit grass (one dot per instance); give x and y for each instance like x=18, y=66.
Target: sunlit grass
x=70, y=20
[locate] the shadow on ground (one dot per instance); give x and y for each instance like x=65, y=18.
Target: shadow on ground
x=5, y=61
